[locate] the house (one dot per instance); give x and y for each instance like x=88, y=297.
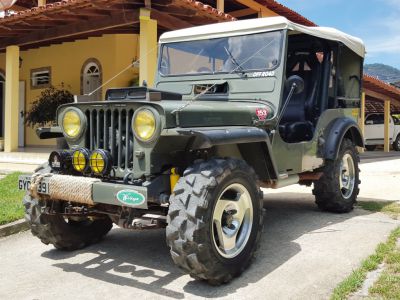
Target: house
x=84, y=46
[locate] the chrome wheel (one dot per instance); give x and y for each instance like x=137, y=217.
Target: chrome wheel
x=232, y=220
x=347, y=176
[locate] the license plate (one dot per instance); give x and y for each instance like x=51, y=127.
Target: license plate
x=24, y=183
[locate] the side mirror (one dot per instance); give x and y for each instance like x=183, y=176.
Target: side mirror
x=295, y=82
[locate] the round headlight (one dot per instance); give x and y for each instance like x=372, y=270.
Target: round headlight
x=72, y=124
x=144, y=125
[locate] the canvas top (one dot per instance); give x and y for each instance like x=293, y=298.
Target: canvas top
x=251, y=26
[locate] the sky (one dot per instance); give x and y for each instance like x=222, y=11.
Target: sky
x=376, y=22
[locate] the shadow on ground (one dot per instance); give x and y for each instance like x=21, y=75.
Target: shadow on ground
x=141, y=259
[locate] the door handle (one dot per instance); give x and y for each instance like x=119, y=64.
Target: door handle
x=21, y=113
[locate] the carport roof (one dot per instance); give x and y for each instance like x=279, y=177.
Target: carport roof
x=380, y=90
x=69, y=20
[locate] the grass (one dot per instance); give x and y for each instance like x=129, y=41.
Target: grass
x=388, y=284
x=390, y=208
x=11, y=207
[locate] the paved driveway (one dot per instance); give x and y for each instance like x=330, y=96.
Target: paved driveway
x=304, y=253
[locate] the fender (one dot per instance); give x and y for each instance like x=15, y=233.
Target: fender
x=204, y=138
x=49, y=132
x=253, y=143
x=334, y=134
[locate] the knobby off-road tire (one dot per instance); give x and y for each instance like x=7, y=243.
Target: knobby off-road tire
x=53, y=229
x=196, y=209
x=337, y=189
x=396, y=143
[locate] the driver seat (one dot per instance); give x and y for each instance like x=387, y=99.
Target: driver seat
x=297, y=120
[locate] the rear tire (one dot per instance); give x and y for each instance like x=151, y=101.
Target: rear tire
x=62, y=233
x=337, y=189
x=204, y=232
x=396, y=143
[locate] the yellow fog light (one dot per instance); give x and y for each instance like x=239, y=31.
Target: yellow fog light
x=72, y=124
x=80, y=159
x=100, y=162
x=144, y=125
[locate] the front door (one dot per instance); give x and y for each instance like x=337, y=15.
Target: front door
x=21, y=115
x=92, y=81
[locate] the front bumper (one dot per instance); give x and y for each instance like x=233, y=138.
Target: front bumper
x=92, y=191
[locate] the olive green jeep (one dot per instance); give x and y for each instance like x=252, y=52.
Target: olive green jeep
x=236, y=107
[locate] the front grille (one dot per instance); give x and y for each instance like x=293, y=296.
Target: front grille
x=110, y=129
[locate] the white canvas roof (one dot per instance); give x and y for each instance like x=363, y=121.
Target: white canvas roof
x=261, y=25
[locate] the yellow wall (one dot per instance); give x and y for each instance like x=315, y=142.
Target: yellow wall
x=115, y=52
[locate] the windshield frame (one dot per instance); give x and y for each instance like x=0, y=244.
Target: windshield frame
x=236, y=70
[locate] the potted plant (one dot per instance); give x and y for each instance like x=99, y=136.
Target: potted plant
x=44, y=108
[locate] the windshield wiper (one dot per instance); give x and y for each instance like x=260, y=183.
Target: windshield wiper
x=238, y=66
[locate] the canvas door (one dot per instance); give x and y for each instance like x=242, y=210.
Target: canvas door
x=21, y=115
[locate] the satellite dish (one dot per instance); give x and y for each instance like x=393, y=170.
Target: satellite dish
x=6, y=4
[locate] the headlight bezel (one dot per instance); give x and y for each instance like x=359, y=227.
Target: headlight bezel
x=157, y=129
x=83, y=122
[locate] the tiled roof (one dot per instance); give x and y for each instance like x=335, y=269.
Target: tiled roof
x=207, y=9
x=379, y=86
x=284, y=11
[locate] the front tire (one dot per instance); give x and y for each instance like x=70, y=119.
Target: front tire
x=215, y=219
x=65, y=234
x=337, y=189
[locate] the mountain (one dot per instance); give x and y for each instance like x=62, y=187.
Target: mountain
x=383, y=72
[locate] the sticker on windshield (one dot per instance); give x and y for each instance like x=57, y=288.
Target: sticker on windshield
x=263, y=74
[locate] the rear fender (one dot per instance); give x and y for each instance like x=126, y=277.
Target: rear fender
x=336, y=131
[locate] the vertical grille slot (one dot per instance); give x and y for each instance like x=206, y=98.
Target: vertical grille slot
x=110, y=129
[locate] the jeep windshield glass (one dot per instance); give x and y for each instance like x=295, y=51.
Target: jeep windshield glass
x=236, y=54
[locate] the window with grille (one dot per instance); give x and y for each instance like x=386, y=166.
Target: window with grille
x=41, y=78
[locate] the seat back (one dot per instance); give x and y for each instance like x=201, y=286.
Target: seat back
x=301, y=106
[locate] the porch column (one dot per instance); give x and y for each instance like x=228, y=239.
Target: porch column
x=11, y=99
x=148, y=47
x=386, y=145
x=221, y=5
x=361, y=120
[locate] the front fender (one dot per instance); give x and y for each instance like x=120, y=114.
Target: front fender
x=204, y=138
x=336, y=131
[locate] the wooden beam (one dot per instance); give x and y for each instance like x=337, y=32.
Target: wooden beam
x=242, y=12
x=386, y=145
x=361, y=119
x=70, y=30
x=221, y=5
x=261, y=9
x=169, y=21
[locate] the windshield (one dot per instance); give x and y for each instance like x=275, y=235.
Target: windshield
x=255, y=52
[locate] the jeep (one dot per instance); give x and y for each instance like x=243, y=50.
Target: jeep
x=236, y=107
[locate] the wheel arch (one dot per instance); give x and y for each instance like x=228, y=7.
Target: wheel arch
x=251, y=144
x=336, y=131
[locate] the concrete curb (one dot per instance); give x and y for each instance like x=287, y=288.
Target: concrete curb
x=14, y=227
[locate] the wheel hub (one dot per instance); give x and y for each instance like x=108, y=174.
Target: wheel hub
x=347, y=176
x=232, y=220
